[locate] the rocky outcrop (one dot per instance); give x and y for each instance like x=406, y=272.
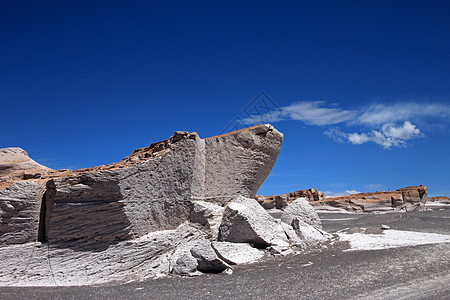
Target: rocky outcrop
x=404, y=199
x=154, y=188
x=281, y=201
x=181, y=206
x=15, y=163
x=24, y=210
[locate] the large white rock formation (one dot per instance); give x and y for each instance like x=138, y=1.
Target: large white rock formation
x=171, y=208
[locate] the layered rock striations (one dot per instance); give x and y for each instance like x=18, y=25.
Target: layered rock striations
x=16, y=164
x=404, y=199
x=157, y=211
x=281, y=201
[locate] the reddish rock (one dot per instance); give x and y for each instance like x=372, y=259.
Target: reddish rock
x=281, y=201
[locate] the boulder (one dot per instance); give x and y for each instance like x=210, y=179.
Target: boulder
x=237, y=253
x=308, y=233
x=207, y=259
x=294, y=238
x=414, y=197
x=245, y=221
x=302, y=209
x=208, y=215
x=281, y=202
x=237, y=163
x=197, y=256
x=182, y=262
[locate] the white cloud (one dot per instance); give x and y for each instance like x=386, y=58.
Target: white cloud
x=352, y=192
x=357, y=139
x=316, y=113
x=310, y=112
x=388, y=125
x=389, y=136
x=378, y=114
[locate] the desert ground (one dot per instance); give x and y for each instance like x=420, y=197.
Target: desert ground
x=332, y=272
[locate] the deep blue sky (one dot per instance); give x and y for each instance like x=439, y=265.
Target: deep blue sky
x=362, y=87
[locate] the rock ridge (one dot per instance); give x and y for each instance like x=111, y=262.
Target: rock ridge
x=403, y=199
x=180, y=206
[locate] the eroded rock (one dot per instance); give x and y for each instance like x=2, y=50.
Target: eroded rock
x=237, y=253
x=300, y=208
x=308, y=233
x=197, y=256
x=154, y=212
x=207, y=214
x=15, y=163
x=245, y=221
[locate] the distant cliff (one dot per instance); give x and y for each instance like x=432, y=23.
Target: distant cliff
x=404, y=199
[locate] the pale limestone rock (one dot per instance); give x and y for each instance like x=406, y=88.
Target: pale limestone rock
x=302, y=209
x=279, y=250
x=237, y=253
x=124, y=221
x=36, y=264
x=292, y=235
x=208, y=261
x=245, y=221
x=237, y=163
x=308, y=233
x=182, y=262
x=22, y=207
x=196, y=256
x=154, y=189
x=208, y=215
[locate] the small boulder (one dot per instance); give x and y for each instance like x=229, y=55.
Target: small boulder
x=197, y=256
x=292, y=235
x=237, y=253
x=245, y=221
x=183, y=263
x=302, y=209
x=307, y=233
x=207, y=259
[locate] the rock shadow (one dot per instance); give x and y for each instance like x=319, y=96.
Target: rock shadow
x=88, y=215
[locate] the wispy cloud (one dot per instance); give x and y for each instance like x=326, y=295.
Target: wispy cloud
x=389, y=136
x=317, y=113
x=388, y=125
x=352, y=192
x=378, y=114
x=310, y=112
